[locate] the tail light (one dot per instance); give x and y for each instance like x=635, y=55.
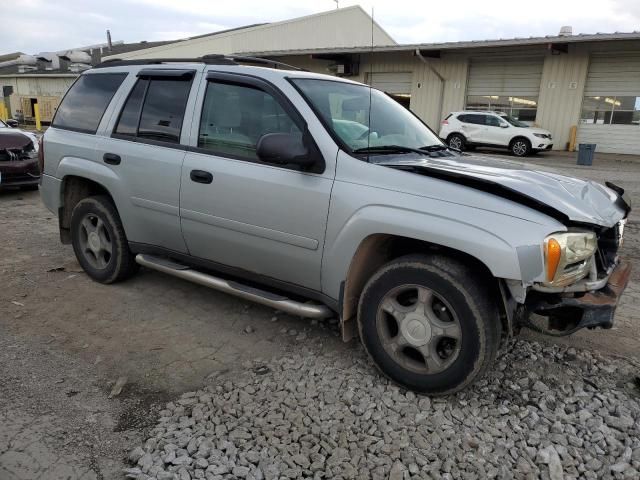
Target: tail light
x=41, y=154
x=445, y=122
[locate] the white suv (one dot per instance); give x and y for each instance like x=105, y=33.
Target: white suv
x=462, y=130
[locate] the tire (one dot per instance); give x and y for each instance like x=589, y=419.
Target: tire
x=462, y=339
x=520, y=147
x=105, y=256
x=457, y=141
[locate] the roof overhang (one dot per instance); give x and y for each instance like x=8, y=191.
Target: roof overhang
x=556, y=43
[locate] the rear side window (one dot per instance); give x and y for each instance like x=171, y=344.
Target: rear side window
x=86, y=101
x=474, y=118
x=155, y=110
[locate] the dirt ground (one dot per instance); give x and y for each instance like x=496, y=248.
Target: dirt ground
x=65, y=340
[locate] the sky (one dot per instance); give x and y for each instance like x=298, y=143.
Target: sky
x=33, y=26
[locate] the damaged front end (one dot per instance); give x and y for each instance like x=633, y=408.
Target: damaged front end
x=590, y=301
x=18, y=161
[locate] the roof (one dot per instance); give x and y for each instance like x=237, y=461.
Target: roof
x=347, y=26
x=10, y=56
x=510, y=42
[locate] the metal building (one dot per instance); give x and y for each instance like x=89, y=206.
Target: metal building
x=342, y=27
x=591, y=82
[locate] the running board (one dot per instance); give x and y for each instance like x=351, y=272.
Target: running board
x=309, y=310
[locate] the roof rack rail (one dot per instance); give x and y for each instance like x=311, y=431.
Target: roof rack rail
x=212, y=59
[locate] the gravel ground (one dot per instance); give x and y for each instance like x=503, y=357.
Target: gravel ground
x=545, y=412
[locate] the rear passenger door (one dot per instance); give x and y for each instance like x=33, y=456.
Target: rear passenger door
x=262, y=219
x=473, y=127
x=146, y=153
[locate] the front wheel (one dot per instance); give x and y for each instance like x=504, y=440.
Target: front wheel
x=429, y=323
x=99, y=241
x=520, y=147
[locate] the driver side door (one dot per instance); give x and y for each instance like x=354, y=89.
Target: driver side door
x=259, y=219
x=496, y=134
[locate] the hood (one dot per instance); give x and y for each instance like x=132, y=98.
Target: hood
x=566, y=198
x=14, y=141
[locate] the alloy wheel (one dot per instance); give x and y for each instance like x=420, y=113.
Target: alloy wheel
x=419, y=329
x=95, y=241
x=455, y=142
x=520, y=148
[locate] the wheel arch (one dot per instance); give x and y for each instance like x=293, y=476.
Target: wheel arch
x=378, y=249
x=460, y=134
x=75, y=188
x=517, y=137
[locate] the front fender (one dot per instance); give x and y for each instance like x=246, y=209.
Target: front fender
x=497, y=244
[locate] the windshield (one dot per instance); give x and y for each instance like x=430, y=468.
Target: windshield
x=344, y=108
x=514, y=122
x=3, y=125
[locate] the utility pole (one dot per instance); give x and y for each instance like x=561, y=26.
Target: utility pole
x=337, y=3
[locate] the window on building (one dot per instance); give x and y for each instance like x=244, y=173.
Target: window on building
x=611, y=110
x=155, y=110
x=234, y=117
x=520, y=108
x=84, y=105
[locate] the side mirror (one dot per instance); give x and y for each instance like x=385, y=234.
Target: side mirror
x=283, y=149
x=504, y=125
x=12, y=123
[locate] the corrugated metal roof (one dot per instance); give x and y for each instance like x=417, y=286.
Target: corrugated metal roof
x=502, y=42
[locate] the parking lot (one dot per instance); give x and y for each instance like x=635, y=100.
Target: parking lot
x=87, y=370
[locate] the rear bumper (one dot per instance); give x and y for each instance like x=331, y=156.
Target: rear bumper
x=50, y=188
x=569, y=313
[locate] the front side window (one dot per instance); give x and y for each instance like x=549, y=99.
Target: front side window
x=513, y=121
x=235, y=116
x=364, y=117
x=492, y=121
x=84, y=105
x=155, y=110
x=611, y=110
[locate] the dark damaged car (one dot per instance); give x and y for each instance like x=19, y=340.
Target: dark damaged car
x=18, y=159
x=322, y=197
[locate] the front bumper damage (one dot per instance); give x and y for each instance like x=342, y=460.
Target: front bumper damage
x=20, y=173
x=568, y=312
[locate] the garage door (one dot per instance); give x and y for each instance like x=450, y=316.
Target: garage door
x=613, y=75
x=502, y=76
x=610, y=115
x=396, y=82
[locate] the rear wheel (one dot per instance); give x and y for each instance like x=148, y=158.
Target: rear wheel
x=456, y=141
x=99, y=241
x=520, y=147
x=429, y=323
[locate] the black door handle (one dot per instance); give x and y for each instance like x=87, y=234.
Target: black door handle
x=201, y=176
x=111, y=158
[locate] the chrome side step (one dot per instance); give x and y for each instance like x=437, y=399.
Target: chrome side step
x=309, y=310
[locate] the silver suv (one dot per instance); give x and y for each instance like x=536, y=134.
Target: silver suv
x=323, y=197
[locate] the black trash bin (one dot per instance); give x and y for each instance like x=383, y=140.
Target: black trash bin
x=585, y=153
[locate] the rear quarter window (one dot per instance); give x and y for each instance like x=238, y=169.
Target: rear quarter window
x=86, y=101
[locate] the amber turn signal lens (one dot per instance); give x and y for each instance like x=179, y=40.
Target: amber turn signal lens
x=553, y=251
